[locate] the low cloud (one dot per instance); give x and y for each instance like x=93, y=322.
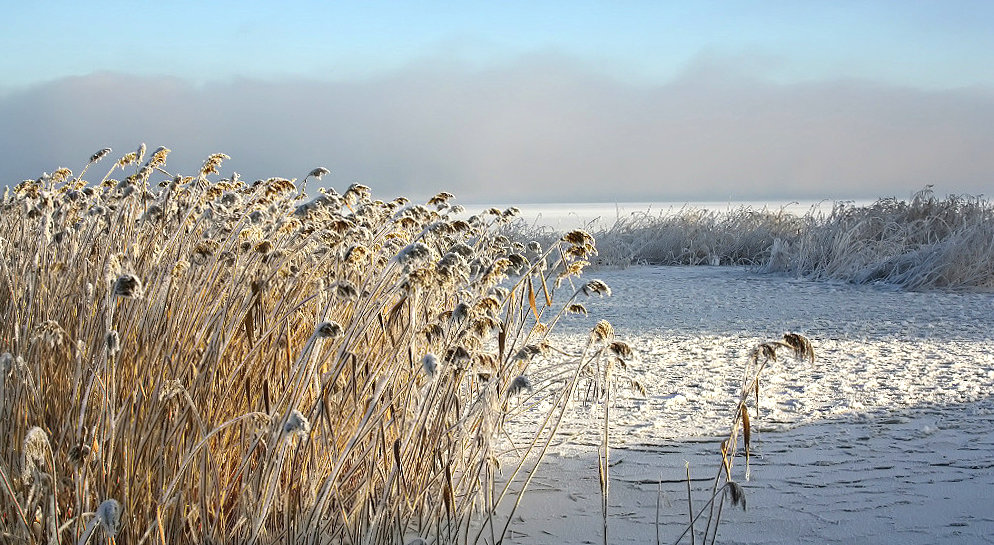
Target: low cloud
x=539, y=129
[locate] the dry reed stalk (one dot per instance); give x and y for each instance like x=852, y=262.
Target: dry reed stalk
x=724, y=484
x=233, y=366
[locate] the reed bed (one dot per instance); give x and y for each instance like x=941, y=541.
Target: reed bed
x=919, y=244
x=692, y=236
x=687, y=236
x=922, y=243
x=197, y=359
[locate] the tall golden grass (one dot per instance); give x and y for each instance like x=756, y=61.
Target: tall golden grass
x=203, y=360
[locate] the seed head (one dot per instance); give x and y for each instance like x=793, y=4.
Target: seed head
x=99, y=155
x=489, y=305
x=596, y=287
x=441, y=199
x=518, y=385
x=78, y=454
x=264, y=247
x=413, y=252
x=127, y=160
x=230, y=199
x=462, y=249
x=534, y=247
x=212, y=163
x=737, y=494
x=800, y=345
x=109, y=517
x=159, y=157
x=297, y=424
x=357, y=190
x=153, y=214
x=529, y=351
x=457, y=355
x=128, y=285
x=433, y=332
x=345, y=290
x=257, y=217
x=61, y=174
x=51, y=333
x=484, y=326
x=519, y=263
x=170, y=389
x=430, y=364
x=113, y=342
x=621, y=349
x=318, y=173
x=35, y=447
x=328, y=330
x=179, y=268
x=578, y=237
x=460, y=313
x=500, y=292
x=6, y=364
x=576, y=308
x=603, y=331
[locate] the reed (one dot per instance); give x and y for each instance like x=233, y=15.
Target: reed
x=919, y=244
x=191, y=359
x=738, y=442
x=922, y=243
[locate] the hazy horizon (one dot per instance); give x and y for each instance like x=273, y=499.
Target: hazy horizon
x=522, y=102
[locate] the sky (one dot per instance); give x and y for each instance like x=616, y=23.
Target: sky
x=515, y=101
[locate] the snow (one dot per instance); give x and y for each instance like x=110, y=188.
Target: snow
x=887, y=437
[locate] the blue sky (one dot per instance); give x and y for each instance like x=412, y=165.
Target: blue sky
x=922, y=44
x=587, y=84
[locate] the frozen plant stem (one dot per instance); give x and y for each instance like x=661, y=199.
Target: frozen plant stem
x=690, y=505
x=605, y=460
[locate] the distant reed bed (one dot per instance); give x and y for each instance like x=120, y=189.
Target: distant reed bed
x=197, y=359
x=922, y=243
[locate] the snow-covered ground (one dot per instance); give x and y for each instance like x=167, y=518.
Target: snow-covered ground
x=888, y=437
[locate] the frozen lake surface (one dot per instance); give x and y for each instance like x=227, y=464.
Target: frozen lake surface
x=885, y=438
